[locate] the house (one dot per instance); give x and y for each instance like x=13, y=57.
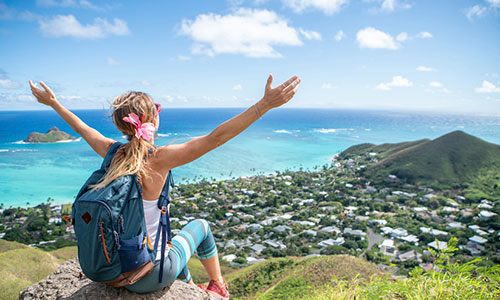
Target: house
x=275, y=244
x=455, y=225
x=478, y=240
x=419, y=209
x=311, y=232
x=474, y=249
x=255, y=227
x=304, y=223
x=386, y=230
x=331, y=242
x=378, y=222
x=355, y=232
x=438, y=245
x=252, y=260
x=410, y=239
x=486, y=215
x=410, y=255
x=399, y=232
x=55, y=220
x=258, y=248
x=450, y=209
x=229, y=258
x=282, y=228
x=331, y=229
x=387, y=248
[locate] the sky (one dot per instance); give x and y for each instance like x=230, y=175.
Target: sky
x=410, y=55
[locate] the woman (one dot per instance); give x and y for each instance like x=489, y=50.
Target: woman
x=137, y=116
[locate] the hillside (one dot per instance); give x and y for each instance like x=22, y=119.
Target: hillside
x=292, y=277
x=451, y=159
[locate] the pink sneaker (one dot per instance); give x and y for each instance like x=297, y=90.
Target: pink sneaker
x=216, y=288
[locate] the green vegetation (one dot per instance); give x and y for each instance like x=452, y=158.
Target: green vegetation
x=452, y=159
x=454, y=281
x=199, y=274
x=293, y=278
x=21, y=266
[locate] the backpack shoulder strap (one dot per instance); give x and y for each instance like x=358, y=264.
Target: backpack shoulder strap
x=164, y=224
x=109, y=155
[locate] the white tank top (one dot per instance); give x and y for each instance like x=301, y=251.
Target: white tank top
x=152, y=218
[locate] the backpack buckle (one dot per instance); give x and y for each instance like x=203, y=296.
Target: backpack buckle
x=163, y=210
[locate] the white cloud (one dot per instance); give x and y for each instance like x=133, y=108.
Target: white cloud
x=475, y=11
x=60, y=26
x=327, y=86
x=340, y=35
x=375, y=39
x=426, y=69
x=438, y=87
x=250, y=32
x=397, y=81
x=328, y=7
x=435, y=84
x=112, y=62
x=403, y=36
x=183, y=57
x=67, y=3
x=424, y=35
x=237, y=87
x=310, y=35
x=69, y=98
x=488, y=87
x=494, y=3
x=382, y=87
x=388, y=5
x=8, y=84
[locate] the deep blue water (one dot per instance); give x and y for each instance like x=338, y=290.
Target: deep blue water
x=282, y=139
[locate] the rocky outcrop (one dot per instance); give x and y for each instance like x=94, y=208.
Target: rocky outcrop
x=52, y=136
x=65, y=283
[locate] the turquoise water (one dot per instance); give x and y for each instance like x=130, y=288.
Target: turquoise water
x=282, y=139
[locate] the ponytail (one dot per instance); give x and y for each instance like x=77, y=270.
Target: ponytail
x=131, y=157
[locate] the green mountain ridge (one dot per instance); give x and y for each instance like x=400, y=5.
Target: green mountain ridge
x=452, y=159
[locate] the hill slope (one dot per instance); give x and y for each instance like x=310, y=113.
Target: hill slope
x=292, y=277
x=453, y=158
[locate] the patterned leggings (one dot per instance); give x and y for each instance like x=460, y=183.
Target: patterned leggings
x=196, y=235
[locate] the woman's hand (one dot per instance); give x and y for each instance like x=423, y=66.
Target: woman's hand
x=45, y=96
x=275, y=97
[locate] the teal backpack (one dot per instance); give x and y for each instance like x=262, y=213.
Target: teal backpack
x=113, y=244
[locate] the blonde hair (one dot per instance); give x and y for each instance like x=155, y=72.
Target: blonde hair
x=131, y=157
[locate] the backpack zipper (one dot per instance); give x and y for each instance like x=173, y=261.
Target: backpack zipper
x=115, y=234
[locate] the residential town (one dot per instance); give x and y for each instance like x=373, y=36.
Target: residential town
x=305, y=213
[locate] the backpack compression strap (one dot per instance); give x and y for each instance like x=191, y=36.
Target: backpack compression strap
x=164, y=225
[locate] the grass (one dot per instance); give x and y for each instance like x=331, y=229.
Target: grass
x=200, y=275
x=6, y=245
x=293, y=278
x=22, y=267
x=423, y=286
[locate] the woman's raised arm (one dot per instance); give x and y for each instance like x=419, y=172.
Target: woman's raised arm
x=94, y=138
x=172, y=156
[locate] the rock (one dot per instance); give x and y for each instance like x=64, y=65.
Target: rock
x=65, y=283
x=53, y=135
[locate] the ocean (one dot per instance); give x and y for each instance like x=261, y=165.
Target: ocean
x=283, y=139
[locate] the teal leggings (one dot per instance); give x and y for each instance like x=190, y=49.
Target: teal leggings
x=196, y=235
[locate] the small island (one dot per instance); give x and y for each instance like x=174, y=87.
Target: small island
x=52, y=136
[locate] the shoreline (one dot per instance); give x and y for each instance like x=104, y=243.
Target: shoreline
x=192, y=181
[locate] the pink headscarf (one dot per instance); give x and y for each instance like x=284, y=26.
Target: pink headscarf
x=146, y=130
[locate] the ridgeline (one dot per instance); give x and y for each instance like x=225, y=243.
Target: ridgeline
x=453, y=159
